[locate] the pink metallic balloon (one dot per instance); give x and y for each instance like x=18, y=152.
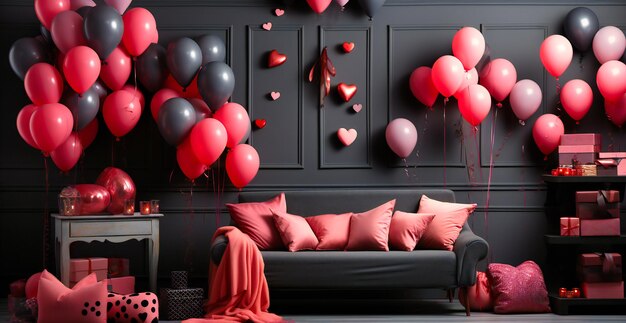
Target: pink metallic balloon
x=120, y=186
x=94, y=198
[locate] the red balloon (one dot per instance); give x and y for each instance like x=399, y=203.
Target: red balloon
x=202, y=109
x=88, y=134
x=159, y=98
x=547, y=133
x=422, y=86
x=116, y=71
x=81, y=67
x=94, y=198
x=616, y=111
x=139, y=30
x=468, y=45
x=132, y=89
x=470, y=78
x=190, y=92
x=235, y=119
x=67, y=155
x=242, y=165
x=187, y=161
x=120, y=186
x=208, y=140
x=448, y=73
x=499, y=77
x=121, y=112
x=474, y=104
x=556, y=54
x=576, y=97
x=611, y=80
x=46, y=10
x=67, y=31
x=23, y=124
x=43, y=84
x=318, y=5
x=51, y=125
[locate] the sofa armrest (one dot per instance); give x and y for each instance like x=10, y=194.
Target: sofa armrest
x=469, y=249
x=218, y=247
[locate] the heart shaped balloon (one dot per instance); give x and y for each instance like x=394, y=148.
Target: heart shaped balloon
x=120, y=186
x=346, y=91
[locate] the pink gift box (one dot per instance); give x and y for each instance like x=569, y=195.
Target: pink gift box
x=80, y=268
x=581, y=139
x=603, y=290
x=612, y=155
x=577, y=158
x=121, y=285
x=597, y=204
x=611, y=166
x=578, y=149
x=601, y=227
x=118, y=267
x=570, y=226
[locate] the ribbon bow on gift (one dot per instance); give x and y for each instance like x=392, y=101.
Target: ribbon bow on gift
x=609, y=267
x=603, y=202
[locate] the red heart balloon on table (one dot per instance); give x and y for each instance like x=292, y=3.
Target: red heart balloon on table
x=347, y=46
x=276, y=59
x=319, y=5
x=260, y=123
x=346, y=91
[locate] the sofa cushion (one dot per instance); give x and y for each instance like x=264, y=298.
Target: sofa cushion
x=406, y=229
x=370, y=230
x=256, y=220
x=331, y=230
x=447, y=224
x=294, y=231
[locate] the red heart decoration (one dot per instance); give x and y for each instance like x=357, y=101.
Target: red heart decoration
x=279, y=12
x=346, y=91
x=276, y=59
x=347, y=46
x=260, y=123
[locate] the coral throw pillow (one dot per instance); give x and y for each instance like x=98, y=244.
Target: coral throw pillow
x=518, y=289
x=447, y=224
x=370, y=230
x=479, y=295
x=85, y=302
x=295, y=231
x=256, y=220
x=331, y=230
x=406, y=229
x=137, y=307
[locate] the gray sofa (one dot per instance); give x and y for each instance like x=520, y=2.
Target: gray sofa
x=368, y=270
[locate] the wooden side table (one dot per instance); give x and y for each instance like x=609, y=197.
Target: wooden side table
x=112, y=228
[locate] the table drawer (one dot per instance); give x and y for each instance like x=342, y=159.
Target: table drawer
x=109, y=228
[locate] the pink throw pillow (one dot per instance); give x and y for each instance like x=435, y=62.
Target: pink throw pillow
x=447, y=224
x=518, y=289
x=331, y=230
x=406, y=229
x=479, y=295
x=295, y=231
x=256, y=220
x=85, y=302
x=370, y=230
x=136, y=307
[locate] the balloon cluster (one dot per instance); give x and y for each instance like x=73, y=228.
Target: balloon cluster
x=370, y=7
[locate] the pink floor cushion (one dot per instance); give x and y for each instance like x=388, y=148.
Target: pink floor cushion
x=331, y=230
x=406, y=229
x=295, y=231
x=137, y=307
x=370, y=230
x=479, y=295
x=256, y=220
x=518, y=289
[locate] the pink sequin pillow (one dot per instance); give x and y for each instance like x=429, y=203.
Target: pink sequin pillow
x=479, y=295
x=518, y=289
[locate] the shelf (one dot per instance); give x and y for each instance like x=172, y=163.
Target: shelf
x=562, y=306
x=583, y=179
x=565, y=240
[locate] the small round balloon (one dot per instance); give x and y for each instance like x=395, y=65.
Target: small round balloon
x=104, y=28
x=474, y=104
x=556, y=54
x=547, y=132
x=422, y=86
x=580, y=25
x=26, y=52
x=468, y=45
x=576, y=97
x=216, y=83
x=447, y=74
x=242, y=165
x=525, y=99
x=401, y=137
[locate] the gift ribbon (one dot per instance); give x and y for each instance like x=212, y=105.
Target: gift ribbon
x=609, y=267
x=606, y=163
x=568, y=227
x=603, y=202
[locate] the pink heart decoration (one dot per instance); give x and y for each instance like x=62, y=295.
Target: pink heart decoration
x=279, y=12
x=119, y=5
x=267, y=26
x=357, y=107
x=275, y=95
x=347, y=137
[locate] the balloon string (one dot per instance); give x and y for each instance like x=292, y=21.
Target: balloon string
x=493, y=139
x=445, y=101
x=523, y=175
x=188, y=258
x=478, y=156
x=46, y=222
x=113, y=152
x=406, y=168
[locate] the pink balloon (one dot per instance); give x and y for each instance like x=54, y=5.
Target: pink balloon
x=23, y=124
x=159, y=98
x=556, y=54
x=401, y=137
x=139, y=30
x=616, y=111
x=208, y=140
x=46, y=10
x=67, y=31
x=474, y=104
x=242, y=165
x=577, y=97
x=525, y=99
x=609, y=44
x=422, y=86
x=94, y=198
x=468, y=45
x=499, y=77
x=131, y=88
x=447, y=74
x=117, y=69
x=88, y=134
x=235, y=119
x=68, y=153
x=547, y=133
x=81, y=67
x=611, y=80
x=51, y=125
x=76, y=4
x=470, y=78
x=43, y=84
x=121, y=112
x=342, y=3
x=188, y=162
x=318, y=5
x=119, y=5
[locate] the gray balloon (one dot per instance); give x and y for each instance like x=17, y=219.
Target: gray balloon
x=45, y=33
x=371, y=7
x=100, y=89
x=216, y=83
x=152, y=67
x=176, y=118
x=103, y=27
x=84, y=107
x=212, y=47
x=26, y=52
x=82, y=11
x=184, y=58
x=580, y=26
x=201, y=108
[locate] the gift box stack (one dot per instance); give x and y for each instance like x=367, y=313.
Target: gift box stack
x=598, y=213
x=600, y=275
x=580, y=152
x=611, y=164
x=82, y=267
x=20, y=308
x=181, y=302
x=119, y=280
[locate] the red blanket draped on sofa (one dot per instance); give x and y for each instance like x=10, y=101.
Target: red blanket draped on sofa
x=238, y=289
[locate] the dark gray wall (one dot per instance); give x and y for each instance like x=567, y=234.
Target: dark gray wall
x=298, y=147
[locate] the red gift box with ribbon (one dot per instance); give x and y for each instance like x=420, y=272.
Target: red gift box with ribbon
x=597, y=204
x=612, y=164
x=599, y=267
x=570, y=226
x=603, y=290
x=81, y=267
